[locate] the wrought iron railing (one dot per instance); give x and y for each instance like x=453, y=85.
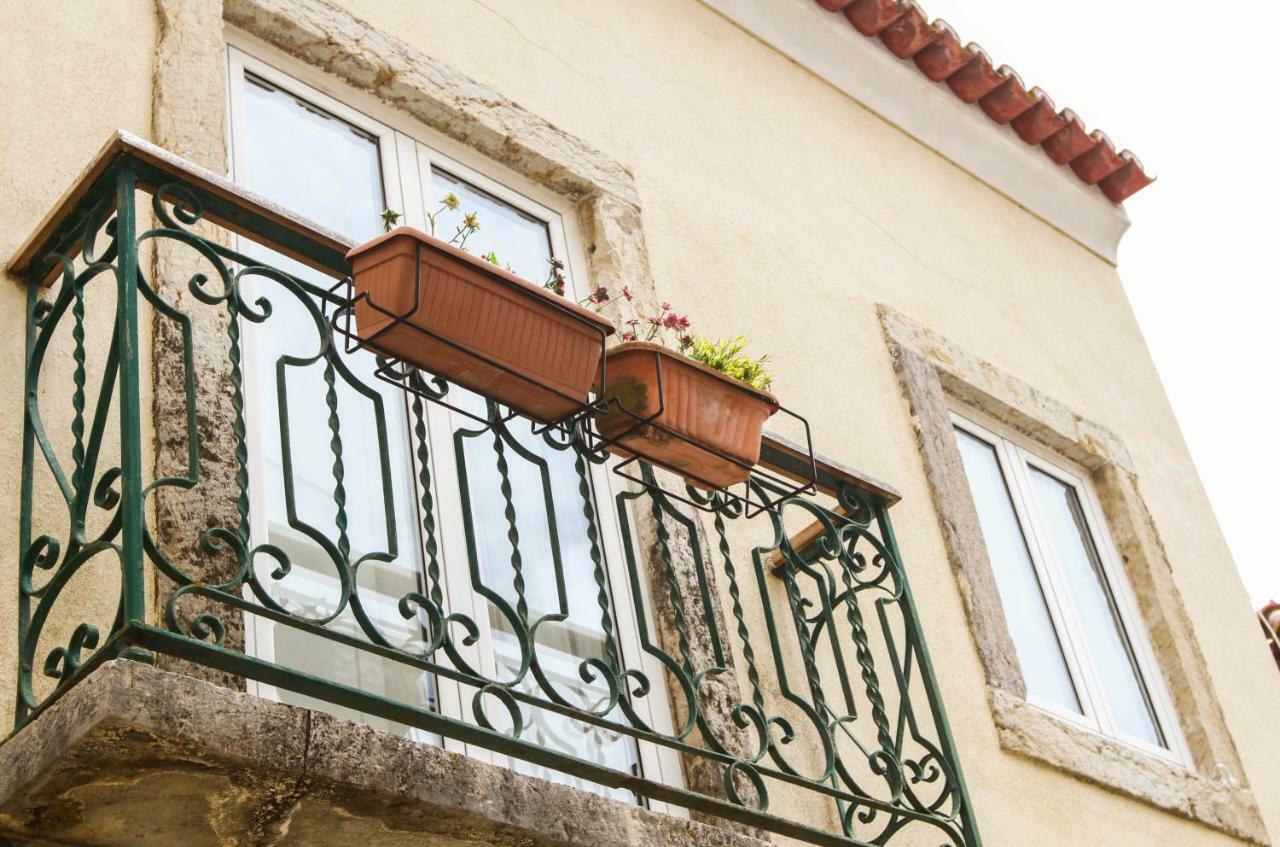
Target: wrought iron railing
x=811, y=691
x=1269, y=633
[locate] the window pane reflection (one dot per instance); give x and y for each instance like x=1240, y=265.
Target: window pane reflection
x=521, y=242
x=1105, y=639
x=550, y=522
x=289, y=144
x=1036, y=642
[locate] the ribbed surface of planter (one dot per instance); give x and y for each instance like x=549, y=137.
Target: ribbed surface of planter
x=485, y=311
x=707, y=410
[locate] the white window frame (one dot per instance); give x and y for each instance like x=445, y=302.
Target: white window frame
x=1016, y=453
x=408, y=151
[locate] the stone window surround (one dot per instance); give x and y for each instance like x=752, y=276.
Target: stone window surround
x=189, y=114
x=933, y=370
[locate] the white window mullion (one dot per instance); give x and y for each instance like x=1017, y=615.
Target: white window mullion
x=1164, y=712
x=1072, y=631
x=412, y=208
x=1050, y=582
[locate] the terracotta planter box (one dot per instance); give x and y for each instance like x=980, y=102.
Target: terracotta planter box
x=488, y=312
x=704, y=406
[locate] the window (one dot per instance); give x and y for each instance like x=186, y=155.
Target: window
x=328, y=161
x=1074, y=626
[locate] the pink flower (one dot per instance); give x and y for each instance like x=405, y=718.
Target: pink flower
x=666, y=307
x=654, y=319
x=601, y=295
x=626, y=293
x=633, y=322
x=628, y=336
x=673, y=321
x=686, y=340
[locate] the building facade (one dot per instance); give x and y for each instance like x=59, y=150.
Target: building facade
x=265, y=590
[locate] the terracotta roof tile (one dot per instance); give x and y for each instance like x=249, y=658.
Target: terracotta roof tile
x=871, y=17
x=1040, y=121
x=1008, y=99
x=906, y=31
x=972, y=81
x=944, y=56
x=1127, y=181
x=1101, y=161
x=909, y=34
x=1069, y=142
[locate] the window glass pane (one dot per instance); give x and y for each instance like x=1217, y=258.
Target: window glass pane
x=547, y=505
x=521, y=242
x=1108, y=646
x=309, y=161
x=1039, y=652
x=322, y=167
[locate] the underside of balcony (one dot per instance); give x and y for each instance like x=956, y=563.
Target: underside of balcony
x=138, y=756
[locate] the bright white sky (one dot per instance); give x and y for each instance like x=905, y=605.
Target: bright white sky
x=1191, y=90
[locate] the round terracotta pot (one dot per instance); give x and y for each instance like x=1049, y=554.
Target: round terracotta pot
x=542, y=351
x=710, y=424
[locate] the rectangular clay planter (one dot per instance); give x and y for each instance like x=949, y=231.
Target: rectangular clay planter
x=708, y=410
x=484, y=310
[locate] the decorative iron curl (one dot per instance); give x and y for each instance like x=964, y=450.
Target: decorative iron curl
x=62, y=662
x=205, y=626
x=747, y=769
x=503, y=696
x=183, y=208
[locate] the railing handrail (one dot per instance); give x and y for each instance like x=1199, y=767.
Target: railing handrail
x=315, y=245
x=226, y=204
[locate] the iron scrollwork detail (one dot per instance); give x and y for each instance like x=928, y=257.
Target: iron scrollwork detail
x=822, y=638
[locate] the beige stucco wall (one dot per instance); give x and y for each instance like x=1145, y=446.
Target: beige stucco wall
x=775, y=206
x=71, y=74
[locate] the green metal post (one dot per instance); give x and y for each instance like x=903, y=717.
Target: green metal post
x=945, y=738
x=133, y=599
x=28, y=469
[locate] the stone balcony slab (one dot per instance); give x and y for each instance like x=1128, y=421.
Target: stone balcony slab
x=141, y=757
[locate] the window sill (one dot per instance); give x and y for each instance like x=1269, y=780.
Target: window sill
x=134, y=749
x=1032, y=732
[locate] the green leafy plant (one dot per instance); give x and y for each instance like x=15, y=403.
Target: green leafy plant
x=666, y=327
x=672, y=329
x=729, y=357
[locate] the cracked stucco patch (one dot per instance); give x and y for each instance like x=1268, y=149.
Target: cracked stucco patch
x=932, y=369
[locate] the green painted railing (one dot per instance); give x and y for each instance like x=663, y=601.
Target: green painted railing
x=788, y=644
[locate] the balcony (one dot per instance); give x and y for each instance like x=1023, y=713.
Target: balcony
x=214, y=486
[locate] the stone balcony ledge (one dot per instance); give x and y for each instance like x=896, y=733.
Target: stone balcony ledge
x=137, y=756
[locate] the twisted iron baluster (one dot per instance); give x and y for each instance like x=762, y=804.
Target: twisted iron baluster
x=669, y=575
x=238, y=426
x=513, y=531
x=866, y=662
x=339, y=470
x=597, y=560
x=747, y=652
x=806, y=640
x=77, y=397
x=428, y=504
